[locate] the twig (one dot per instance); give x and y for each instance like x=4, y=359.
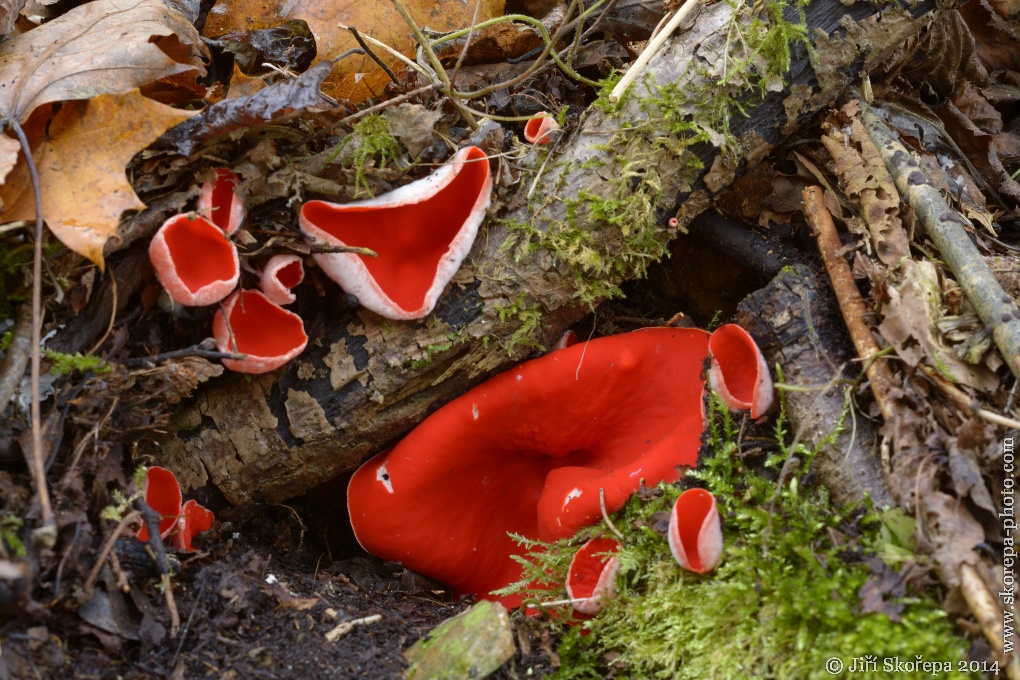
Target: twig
x=171, y=605
x=347, y=626
x=383, y=46
x=426, y=47
x=389, y=102
x=187, y=624
x=373, y=55
x=16, y=359
x=45, y=535
x=985, y=607
x=851, y=305
x=554, y=603
x=654, y=45
x=957, y=395
x=113, y=313
x=193, y=351
x=945, y=227
x=107, y=547
x=605, y=515
x=467, y=44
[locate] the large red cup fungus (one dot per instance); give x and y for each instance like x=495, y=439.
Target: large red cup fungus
x=591, y=578
x=194, y=260
x=162, y=494
x=180, y=524
x=528, y=451
x=421, y=233
x=281, y=273
x=267, y=333
x=219, y=201
x=540, y=128
x=695, y=533
x=739, y=374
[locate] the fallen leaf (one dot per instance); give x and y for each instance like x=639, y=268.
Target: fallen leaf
x=9, y=10
x=955, y=534
x=100, y=47
x=81, y=154
x=9, y=149
x=244, y=86
x=356, y=77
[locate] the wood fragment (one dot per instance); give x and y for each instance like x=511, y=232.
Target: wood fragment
x=985, y=607
x=850, y=302
x=347, y=626
x=945, y=227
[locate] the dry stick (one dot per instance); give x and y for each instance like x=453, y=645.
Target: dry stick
x=45, y=535
x=965, y=402
x=945, y=227
x=467, y=45
x=605, y=515
x=107, y=547
x=437, y=66
x=654, y=45
x=986, y=610
x=372, y=55
x=16, y=360
x=851, y=305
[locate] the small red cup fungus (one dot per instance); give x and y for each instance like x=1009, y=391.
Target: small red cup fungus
x=281, y=273
x=591, y=579
x=268, y=334
x=739, y=374
x=220, y=203
x=162, y=494
x=695, y=532
x=194, y=520
x=421, y=233
x=540, y=128
x=194, y=260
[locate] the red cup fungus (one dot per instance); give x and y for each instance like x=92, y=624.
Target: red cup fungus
x=540, y=128
x=162, y=494
x=528, y=451
x=739, y=374
x=695, y=533
x=268, y=334
x=220, y=202
x=421, y=233
x=591, y=578
x=194, y=260
x=281, y=273
x=180, y=524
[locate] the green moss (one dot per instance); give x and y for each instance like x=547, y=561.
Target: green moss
x=528, y=321
x=431, y=351
x=10, y=526
x=370, y=140
x=63, y=364
x=782, y=602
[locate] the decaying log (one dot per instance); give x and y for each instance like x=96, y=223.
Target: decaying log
x=796, y=322
x=596, y=217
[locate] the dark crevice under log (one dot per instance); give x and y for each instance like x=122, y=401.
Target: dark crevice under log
x=365, y=381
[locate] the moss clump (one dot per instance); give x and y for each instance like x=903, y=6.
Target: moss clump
x=529, y=325
x=783, y=601
x=370, y=140
x=63, y=364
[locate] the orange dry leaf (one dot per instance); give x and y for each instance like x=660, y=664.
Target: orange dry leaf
x=81, y=153
x=356, y=77
x=100, y=47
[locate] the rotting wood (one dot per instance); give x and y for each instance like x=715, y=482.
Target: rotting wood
x=796, y=322
x=372, y=380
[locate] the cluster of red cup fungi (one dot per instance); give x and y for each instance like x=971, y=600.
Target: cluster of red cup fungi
x=179, y=523
x=198, y=265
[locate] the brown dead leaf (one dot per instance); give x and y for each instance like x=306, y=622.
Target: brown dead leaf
x=100, y=47
x=909, y=324
x=242, y=85
x=9, y=149
x=9, y=10
x=356, y=77
x=954, y=534
x=81, y=154
x=867, y=180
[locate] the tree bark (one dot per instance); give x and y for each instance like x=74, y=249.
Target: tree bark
x=596, y=217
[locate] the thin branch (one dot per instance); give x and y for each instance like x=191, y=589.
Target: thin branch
x=111, y=540
x=372, y=55
x=651, y=50
x=45, y=535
